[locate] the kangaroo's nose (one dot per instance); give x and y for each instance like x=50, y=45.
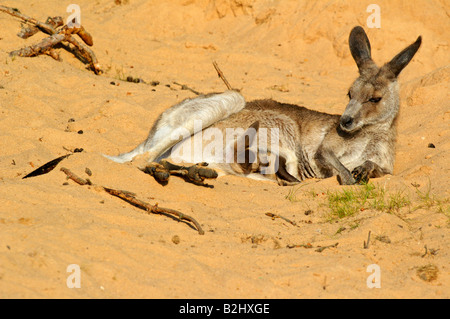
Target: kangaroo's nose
x=346, y=121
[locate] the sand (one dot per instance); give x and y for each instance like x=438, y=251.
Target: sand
x=291, y=51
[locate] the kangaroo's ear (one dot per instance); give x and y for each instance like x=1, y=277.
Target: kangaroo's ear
x=359, y=47
x=243, y=156
x=397, y=64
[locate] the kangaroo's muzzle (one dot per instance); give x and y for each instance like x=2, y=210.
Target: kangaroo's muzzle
x=346, y=122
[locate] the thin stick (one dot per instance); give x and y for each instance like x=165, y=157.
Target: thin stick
x=426, y=251
x=47, y=28
x=39, y=48
x=74, y=177
x=129, y=197
x=320, y=249
x=155, y=209
x=86, y=53
x=220, y=74
x=185, y=87
x=273, y=216
x=366, y=245
x=308, y=245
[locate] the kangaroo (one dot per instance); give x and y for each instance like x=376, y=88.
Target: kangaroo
x=354, y=146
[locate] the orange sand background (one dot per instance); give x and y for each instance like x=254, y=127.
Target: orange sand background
x=291, y=51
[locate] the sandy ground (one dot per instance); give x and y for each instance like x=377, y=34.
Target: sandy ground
x=291, y=51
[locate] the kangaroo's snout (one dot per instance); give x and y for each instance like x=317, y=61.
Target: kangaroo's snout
x=346, y=122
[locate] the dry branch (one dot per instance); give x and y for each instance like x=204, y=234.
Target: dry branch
x=308, y=245
x=47, y=45
x=220, y=74
x=27, y=32
x=320, y=249
x=155, y=209
x=74, y=177
x=185, y=87
x=39, y=48
x=130, y=198
x=47, y=28
x=273, y=216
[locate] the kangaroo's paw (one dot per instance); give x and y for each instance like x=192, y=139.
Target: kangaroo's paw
x=195, y=174
x=361, y=174
x=159, y=172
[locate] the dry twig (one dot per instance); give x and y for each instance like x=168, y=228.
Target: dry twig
x=366, y=245
x=220, y=74
x=273, y=216
x=308, y=245
x=130, y=198
x=185, y=87
x=46, y=46
x=320, y=249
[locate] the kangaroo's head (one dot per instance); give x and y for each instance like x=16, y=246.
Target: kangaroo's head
x=374, y=96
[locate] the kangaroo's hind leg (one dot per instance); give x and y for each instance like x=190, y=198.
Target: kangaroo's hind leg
x=183, y=120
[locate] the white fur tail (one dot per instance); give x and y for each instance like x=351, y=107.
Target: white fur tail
x=177, y=123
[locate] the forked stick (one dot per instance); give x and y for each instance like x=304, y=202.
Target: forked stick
x=130, y=198
x=56, y=36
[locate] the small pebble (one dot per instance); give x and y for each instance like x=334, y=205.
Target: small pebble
x=176, y=239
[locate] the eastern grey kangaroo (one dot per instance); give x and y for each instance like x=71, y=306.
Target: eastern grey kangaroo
x=356, y=146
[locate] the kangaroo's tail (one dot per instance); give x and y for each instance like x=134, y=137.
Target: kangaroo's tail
x=183, y=120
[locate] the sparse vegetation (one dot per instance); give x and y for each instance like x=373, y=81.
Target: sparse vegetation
x=429, y=200
x=292, y=195
x=352, y=200
x=369, y=196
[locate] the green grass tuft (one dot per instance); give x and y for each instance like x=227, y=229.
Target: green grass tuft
x=368, y=196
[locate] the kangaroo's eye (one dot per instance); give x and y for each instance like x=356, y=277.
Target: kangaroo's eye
x=375, y=99
x=349, y=95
